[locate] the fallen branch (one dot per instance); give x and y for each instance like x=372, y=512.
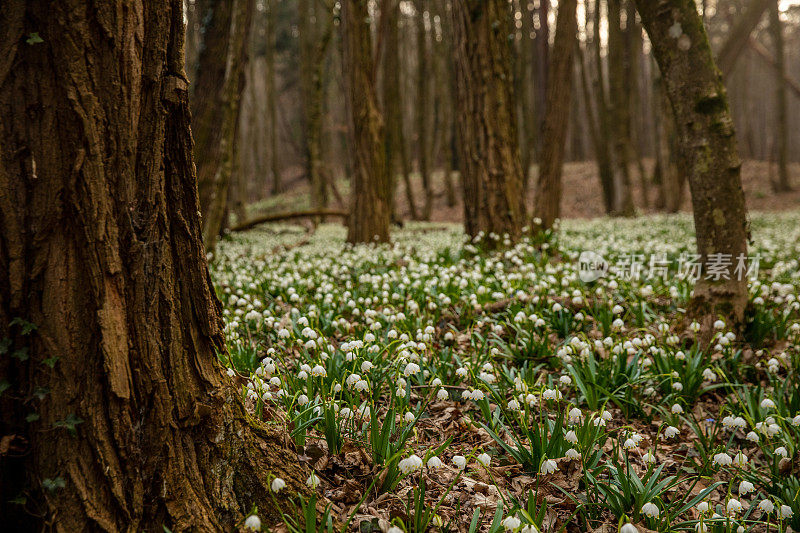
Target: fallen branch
x=277, y=217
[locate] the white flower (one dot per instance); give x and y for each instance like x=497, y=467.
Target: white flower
x=649, y=457
x=785, y=512
x=362, y=385
x=628, y=528
x=571, y=437
x=409, y=417
x=572, y=454
x=302, y=400
x=782, y=452
x=722, y=459
x=411, y=368
x=740, y=459
x=460, y=461
x=253, y=522
x=319, y=371
x=394, y=529
x=719, y=324
x=551, y=394
x=410, y=464
x=703, y=507
x=752, y=436
x=483, y=459
x=671, y=432
x=677, y=409
x=442, y=394
x=434, y=462
x=766, y=506
x=629, y=444
x=734, y=506
x=277, y=484
x=766, y=403
x=745, y=487
x=511, y=523
x=650, y=510
x=312, y=481
x=575, y=415
x=513, y=405
x=796, y=420
x=548, y=467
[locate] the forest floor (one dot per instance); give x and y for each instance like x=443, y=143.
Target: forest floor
x=428, y=387
x=582, y=193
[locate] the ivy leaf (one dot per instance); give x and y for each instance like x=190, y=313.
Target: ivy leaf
x=27, y=327
x=21, y=354
x=53, y=484
x=5, y=345
x=34, y=38
x=3, y=386
x=69, y=423
x=33, y=417
x=51, y=362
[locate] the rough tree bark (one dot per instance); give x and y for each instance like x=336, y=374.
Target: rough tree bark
x=215, y=105
x=781, y=129
x=707, y=143
x=138, y=426
x=559, y=92
x=489, y=149
x=370, y=203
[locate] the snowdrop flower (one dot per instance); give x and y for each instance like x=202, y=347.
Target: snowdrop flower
x=253, y=523
x=394, y=529
x=462, y=372
x=571, y=437
x=719, y=324
x=671, y=432
x=785, y=512
x=551, y=394
x=411, y=368
x=782, y=452
x=677, y=409
x=277, y=484
x=572, y=454
x=366, y=366
x=302, y=400
x=483, y=459
x=766, y=506
x=434, y=462
x=745, y=487
x=628, y=528
x=722, y=459
x=766, y=403
x=319, y=371
x=442, y=394
x=513, y=405
x=650, y=510
x=575, y=415
x=548, y=467
x=709, y=375
x=410, y=464
x=740, y=459
x=629, y=444
x=565, y=380
x=362, y=385
x=734, y=506
x=312, y=481
x=703, y=507
x=409, y=417
x=753, y=437
x=511, y=523
x=649, y=457
x=796, y=421
x=460, y=461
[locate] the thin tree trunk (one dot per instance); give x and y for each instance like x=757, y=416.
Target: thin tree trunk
x=740, y=33
x=489, y=152
x=421, y=106
x=707, y=147
x=559, y=93
x=215, y=106
x=605, y=166
x=670, y=181
x=272, y=97
x=781, y=127
x=370, y=204
x=138, y=427
x=542, y=64
x=444, y=102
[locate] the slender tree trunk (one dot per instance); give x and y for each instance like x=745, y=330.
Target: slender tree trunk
x=781, y=111
x=370, y=204
x=542, y=64
x=633, y=41
x=272, y=96
x=670, y=180
x=445, y=101
x=215, y=106
x=137, y=426
x=708, y=149
x=559, y=92
x=525, y=94
x=620, y=111
x=740, y=33
x=489, y=153
x=422, y=106
x=605, y=166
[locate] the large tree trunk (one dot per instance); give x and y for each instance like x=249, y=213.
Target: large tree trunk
x=138, y=426
x=781, y=127
x=708, y=152
x=370, y=203
x=559, y=92
x=489, y=152
x=422, y=106
x=215, y=105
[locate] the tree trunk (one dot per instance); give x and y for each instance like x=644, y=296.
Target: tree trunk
x=603, y=149
x=422, y=106
x=489, y=153
x=740, y=33
x=137, y=426
x=709, y=156
x=620, y=111
x=313, y=47
x=272, y=96
x=215, y=106
x=559, y=92
x=542, y=68
x=444, y=98
x=781, y=126
x=370, y=204
x=670, y=180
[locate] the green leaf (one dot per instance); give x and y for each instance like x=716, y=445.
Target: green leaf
x=19, y=500
x=51, y=362
x=53, y=484
x=3, y=386
x=5, y=345
x=21, y=354
x=27, y=327
x=32, y=417
x=33, y=38
x=69, y=423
